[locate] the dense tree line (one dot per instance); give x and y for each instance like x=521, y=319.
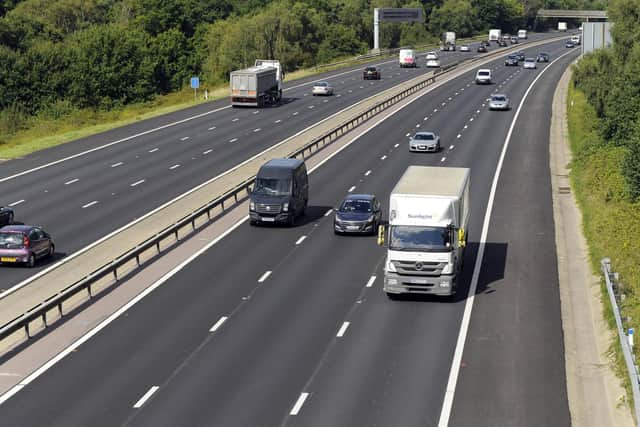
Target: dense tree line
x=610, y=78
x=60, y=55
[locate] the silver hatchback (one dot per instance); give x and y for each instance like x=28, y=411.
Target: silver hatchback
x=499, y=102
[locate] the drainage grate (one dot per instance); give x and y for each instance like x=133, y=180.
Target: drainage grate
x=564, y=190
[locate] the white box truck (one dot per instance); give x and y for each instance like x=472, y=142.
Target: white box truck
x=448, y=41
x=407, y=58
x=522, y=34
x=562, y=26
x=428, y=221
x=495, y=35
x=257, y=85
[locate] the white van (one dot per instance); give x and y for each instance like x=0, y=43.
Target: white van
x=483, y=76
x=407, y=58
x=522, y=34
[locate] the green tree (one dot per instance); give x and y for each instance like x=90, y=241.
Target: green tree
x=453, y=15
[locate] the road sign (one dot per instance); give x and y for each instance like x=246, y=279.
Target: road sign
x=195, y=82
x=389, y=14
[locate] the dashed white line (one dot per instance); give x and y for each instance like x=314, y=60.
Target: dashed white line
x=326, y=100
x=16, y=203
x=88, y=205
x=444, y=103
x=235, y=120
x=278, y=121
x=300, y=240
x=264, y=276
x=367, y=173
x=398, y=144
x=370, y=282
x=338, y=96
x=408, y=134
x=311, y=107
x=219, y=323
x=72, y=181
x=466, y=126
x=212, y=128
x=146, y=396
x=115, y=165
x=137, y=183
x=352, y=188
x=257, y=130
x=233, y=140
x=477, y=111
x=184, y=138
x=383, y=157
x=295, y=113
x=343, y=329
x=298, y=405
x=451, y=147
x=425, y=119
x=207, y=152
x=327, y=213
x=153, y=150
x=256, y=112
x=471, y=119
x=435, y=110
x=174, y=167
x=459, y=136
x=443, y=159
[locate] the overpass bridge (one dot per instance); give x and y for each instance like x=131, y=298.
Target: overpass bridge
x=585, y=15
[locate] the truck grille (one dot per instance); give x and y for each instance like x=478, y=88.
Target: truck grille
x=419, y=268
x=265, y=208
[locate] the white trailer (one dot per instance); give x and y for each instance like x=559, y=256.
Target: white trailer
x=495, y=35
x=257, y=85
x=562, y=26
x=407, y=58
x=448, y=41
x=428, y=221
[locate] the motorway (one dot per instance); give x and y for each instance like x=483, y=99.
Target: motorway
x=86, y=197
x=289, y=326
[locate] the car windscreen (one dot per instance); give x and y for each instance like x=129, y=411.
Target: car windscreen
x=11, y=240
x=370, y=69
x=418, y=238
x=272, y=187
x=322, y=84
x=424, y=137
x=356, y=205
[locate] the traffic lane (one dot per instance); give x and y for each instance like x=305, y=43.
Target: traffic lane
x=513, y=370
x=126, y=362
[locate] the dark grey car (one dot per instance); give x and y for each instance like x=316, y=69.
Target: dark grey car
x=6, y=216
x=358, y=213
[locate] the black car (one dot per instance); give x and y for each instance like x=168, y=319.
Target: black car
x=520, y=55
x=569, y=44
x=485, y=43
x=6, y=216
x=371, y=73
x=502, y=43
x=358, y=213
x=511, y=60
x=481, y=48
x=542, y=57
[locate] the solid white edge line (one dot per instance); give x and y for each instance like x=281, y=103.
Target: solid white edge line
x=370, y=282
x=219, y=323
x=343, y=329
x=447, y=405
x=146, y=396
x=300, y=240
x=296, y=408
x=264, y=276
x=71, y=348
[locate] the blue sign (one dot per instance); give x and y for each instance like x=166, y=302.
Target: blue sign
x=195, y=82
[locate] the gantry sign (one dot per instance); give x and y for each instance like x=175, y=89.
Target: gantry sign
x=389, y=14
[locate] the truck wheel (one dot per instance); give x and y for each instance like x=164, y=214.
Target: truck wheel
x=292, y=220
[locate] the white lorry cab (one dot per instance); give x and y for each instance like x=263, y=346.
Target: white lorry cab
x=522, y=34
x=427, y=234
x=495, y=35
x=407, y=58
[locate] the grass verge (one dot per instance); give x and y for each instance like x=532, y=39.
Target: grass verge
x=611, y=223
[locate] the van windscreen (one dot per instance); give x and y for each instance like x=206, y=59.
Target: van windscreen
x=272, y=187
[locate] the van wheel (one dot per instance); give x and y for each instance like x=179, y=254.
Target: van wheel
x=252, y=223
x=31, y=262
x=292, y=220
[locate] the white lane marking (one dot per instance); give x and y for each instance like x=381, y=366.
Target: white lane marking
x=137, y=183
x=435, y=110
x=443, y=159
x=418, y=125
x=483, y=104
x=352, y=188
x=212, y=128
x=466, y=126
x=444, y=103
x=326, y=100
x=256, y=112
x=72, y=181
x=408, y=134
x=115, y=165
x=146, y=396
x=311, y=107
x=235, y=120
x=184, y=138
x=425, y=119
x=219, y=323
x=383, y=157
x=295, y=113
x=207, y=152
x=459, y=136
x=447, y=405
x=233, y=139
x=174, y=167
x=398, y=144
x=327, y=213
x=367, y=173
x=451, y=147
x=300, y=240
x=278, y=121
x=257, y=130
x=296, y=408
x=449, y=98
x=370, y=282
x=264, y=276
x=338, y=96
x=153, y=150
x=343, y=329
x=16, y=203
x=477, y=111
x=471, y=119
x=88, y=205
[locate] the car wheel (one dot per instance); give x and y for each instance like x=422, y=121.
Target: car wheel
x=31, y=262
x=52, y=251
x=10, y=219
x=438, y=148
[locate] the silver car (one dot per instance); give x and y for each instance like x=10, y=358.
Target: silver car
x=424, y=141
x=530, y=63
x=499, y=102
x=322, y=88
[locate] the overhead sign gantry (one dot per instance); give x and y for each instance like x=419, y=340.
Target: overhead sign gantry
x=388, y=14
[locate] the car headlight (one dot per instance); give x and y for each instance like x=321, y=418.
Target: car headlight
x=252, y=205
x=390, y=267
x=285, y=207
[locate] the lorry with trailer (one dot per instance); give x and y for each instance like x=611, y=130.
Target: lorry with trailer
x=495, y=35
x=407, y=58
x=562, y=26
x=257, y=85
x=427, y=231
x=448, y=41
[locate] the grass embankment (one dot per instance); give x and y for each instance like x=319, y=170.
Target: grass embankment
x=611, y=223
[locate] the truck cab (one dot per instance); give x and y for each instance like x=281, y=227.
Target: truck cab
x=273, y=63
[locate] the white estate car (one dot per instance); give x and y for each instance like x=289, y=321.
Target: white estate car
x=433, y=63
x=465, y=48
x=483, y=76
x=529, y=63
x=322, y=88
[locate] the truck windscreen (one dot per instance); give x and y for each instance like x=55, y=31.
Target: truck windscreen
x=416, y=238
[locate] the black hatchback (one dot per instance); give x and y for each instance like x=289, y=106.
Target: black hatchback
x=358, y=213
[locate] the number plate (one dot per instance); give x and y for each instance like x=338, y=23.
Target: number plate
x=420, y=281
x=268, y=219
x=8, y=259
x=352, y=227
